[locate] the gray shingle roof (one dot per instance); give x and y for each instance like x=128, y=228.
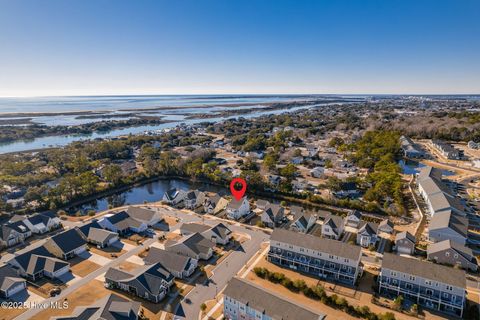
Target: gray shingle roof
x=141, y=214
x=369, y=228
x=405, y=235
x=328, y=246
x=68, y=240
x=8, y=277
x=269, y=303
x=111, y=307
x=448, y=219
x=466, y=252
x=171, y=261
x=150, y=277
x=426, y=270
x=101, y=235
x=194, y=227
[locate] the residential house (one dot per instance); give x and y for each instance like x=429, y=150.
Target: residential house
x=146, y=216
x=302, y=221
x=347, y=190
x=386, y=226
x=317, y=172
x=151, y=282
x=410, y=149
x=324, y=258
x=353, y=219
x=9, y=236
x=405, y=242
x=218, y=233
x=367, y=234
x=102, y=238
x=274, y=180
x=66, y=245
x=273, y=215
x=38, y=263
x=237, y=209
x=111, y=307
x=10, y=282
x=179, y=265
x=215, y=204
x=42, y=223
x=427, y=284
x=448, y=226
x=244, y=300
x=262, y=204
x=122, y=223
x=174, y=196
x=333, y=227
x=195, y=246
x=452, y=253
x=194, y=199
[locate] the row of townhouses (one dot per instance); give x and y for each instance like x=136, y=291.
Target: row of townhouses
x=448, y=227
x=448, y=150
x=247, y=301
x=428, y=284
x=324, y=258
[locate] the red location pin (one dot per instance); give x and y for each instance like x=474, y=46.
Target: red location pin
x=238, y=194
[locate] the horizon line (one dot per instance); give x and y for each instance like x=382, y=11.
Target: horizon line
x=238, y=94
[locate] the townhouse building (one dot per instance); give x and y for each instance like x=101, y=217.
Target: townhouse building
x=431, y=285
x=247, y=301
x=324, y=258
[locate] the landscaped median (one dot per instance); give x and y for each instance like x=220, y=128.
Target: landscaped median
x=317, y=292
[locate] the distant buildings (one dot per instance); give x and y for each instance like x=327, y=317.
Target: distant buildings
x=324, y=258
x=247, y=301
x=448, y=150
x=427, y=284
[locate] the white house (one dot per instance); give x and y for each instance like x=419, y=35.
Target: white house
x=238, y=209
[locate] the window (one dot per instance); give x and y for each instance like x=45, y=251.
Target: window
x=428, y=282
x=332, y=265
x=447, y=254
x=412, y=278
x=330, y=256
x=394, y=281
x=455, y=256
x=429, y=292
x=409, y=286
x=346, y=260
x=393, y=273
x=445, y=295
x=450, y=288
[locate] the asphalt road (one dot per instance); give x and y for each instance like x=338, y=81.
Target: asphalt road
x=221, y=275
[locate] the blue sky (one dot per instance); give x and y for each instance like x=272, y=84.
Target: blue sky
x=163, y=47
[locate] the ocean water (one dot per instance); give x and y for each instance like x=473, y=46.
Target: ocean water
x=119, y=103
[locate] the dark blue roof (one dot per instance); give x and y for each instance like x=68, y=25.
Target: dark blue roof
x=68, y=240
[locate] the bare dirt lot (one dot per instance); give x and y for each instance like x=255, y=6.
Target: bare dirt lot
x=83, y=267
